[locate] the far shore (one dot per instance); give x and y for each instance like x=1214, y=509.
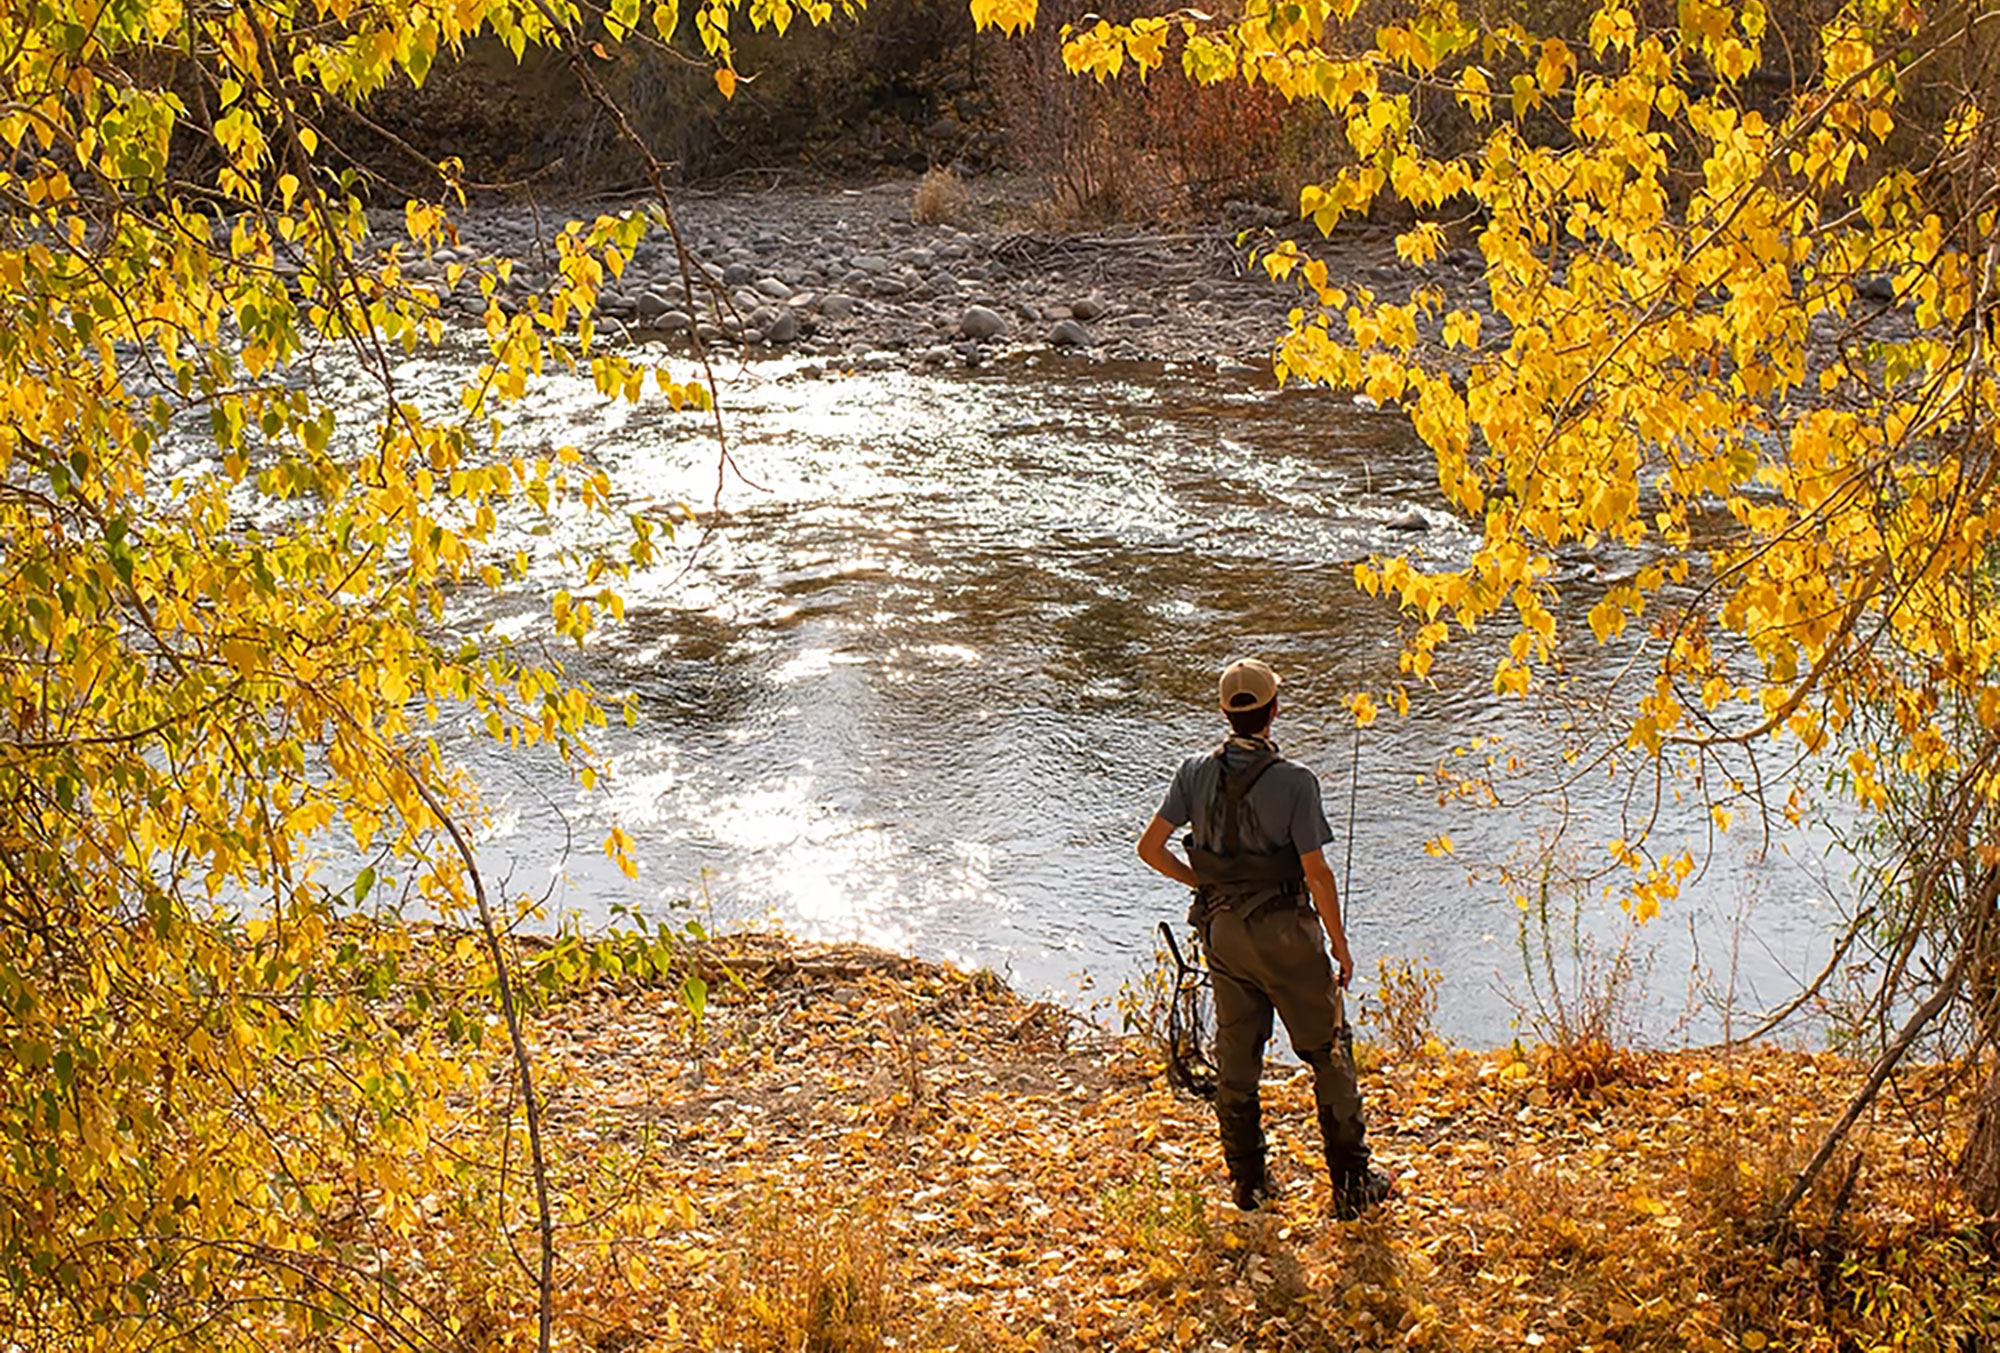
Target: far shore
x=838, y=274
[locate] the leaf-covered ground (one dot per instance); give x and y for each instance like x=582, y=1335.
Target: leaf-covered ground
x=861, y=1151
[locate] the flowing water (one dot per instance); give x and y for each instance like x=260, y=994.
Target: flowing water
x=924, y=683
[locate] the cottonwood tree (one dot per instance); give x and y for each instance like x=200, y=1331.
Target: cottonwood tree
x=1740, y=348
x=230, y=1111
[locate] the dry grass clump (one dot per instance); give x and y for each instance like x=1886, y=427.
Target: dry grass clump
x=940, y=198
x=1405, y=1009
x=1590, y=1065
x=1582, y=983
x=809, y=1274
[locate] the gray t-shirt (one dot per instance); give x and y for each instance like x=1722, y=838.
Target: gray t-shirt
x=1282, y=809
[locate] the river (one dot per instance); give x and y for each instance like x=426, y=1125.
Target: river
x=925, y=678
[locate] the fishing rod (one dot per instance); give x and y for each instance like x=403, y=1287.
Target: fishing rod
x=1343, y=1032
x=1353, y=792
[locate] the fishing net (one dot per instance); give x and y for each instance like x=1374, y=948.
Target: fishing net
x=1190, y=1022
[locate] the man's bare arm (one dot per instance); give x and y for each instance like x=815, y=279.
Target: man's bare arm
x=1159, y=857
x=1326, y=899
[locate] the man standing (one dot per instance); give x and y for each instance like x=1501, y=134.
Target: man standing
x=1254, y=859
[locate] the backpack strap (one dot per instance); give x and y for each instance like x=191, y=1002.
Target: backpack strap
x=1234, y=788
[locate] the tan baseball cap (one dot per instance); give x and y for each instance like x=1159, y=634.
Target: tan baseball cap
x=1248, y=683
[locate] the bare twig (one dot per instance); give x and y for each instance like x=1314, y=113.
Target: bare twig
x=523, y=1067
x=1774, y=1018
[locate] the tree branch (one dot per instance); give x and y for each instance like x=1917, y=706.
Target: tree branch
x=1893, y=1054
x=523, y=1067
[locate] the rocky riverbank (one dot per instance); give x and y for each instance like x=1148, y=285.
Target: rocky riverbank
x=848, y=277
x=847, y=274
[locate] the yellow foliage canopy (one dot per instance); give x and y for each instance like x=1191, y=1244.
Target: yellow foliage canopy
x=1730, y=327
x=218, y=1091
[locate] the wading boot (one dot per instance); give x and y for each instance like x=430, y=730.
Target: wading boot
x=1355, y=1191
x=1356, y=1188
x=1243, y=1152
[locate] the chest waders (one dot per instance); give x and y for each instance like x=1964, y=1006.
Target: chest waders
x=1230, y=870
x=1226, y=870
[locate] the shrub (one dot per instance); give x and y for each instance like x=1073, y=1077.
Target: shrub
x=940, y=199
x=1406, y=999
x=1581, y=986
x=1161, y=149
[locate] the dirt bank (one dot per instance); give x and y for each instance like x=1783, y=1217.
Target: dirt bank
x=856, y=1150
